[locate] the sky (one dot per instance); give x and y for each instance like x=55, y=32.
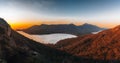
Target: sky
x=25, y=13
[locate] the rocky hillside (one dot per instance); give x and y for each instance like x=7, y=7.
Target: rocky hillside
x=102, y=46
x=15, y=48
x=63, y=28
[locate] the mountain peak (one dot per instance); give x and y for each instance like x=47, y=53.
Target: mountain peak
x=116, y=28
x=3, y=22
x=4, y=27
x=86, y=24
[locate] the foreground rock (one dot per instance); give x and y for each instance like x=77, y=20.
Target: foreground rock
x=102, y=46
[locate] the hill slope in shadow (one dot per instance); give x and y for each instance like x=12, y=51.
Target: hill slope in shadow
x=63, y=28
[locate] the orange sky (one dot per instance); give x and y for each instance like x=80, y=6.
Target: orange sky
x=23, y=14
x=25, y=24
x=22, y=24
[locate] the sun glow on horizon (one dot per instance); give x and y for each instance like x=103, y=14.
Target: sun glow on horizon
x=23, y=24
x=26, y=13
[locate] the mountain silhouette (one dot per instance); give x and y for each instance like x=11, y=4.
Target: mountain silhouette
x=63, y=28
x=104, y=45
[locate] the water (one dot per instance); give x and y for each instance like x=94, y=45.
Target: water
x=96, y=32
x=48, y=38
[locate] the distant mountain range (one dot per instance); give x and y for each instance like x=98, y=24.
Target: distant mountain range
x=104, y=45
x=63, y=28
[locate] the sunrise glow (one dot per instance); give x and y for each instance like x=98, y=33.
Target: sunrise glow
x=26, y=13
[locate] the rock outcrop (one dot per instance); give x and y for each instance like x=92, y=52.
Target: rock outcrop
x=102, y=46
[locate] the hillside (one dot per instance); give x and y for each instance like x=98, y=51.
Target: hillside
x=15, y=48
x=104, y=45
x=63, y=28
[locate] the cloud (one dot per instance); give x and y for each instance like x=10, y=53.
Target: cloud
x=18, y=9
